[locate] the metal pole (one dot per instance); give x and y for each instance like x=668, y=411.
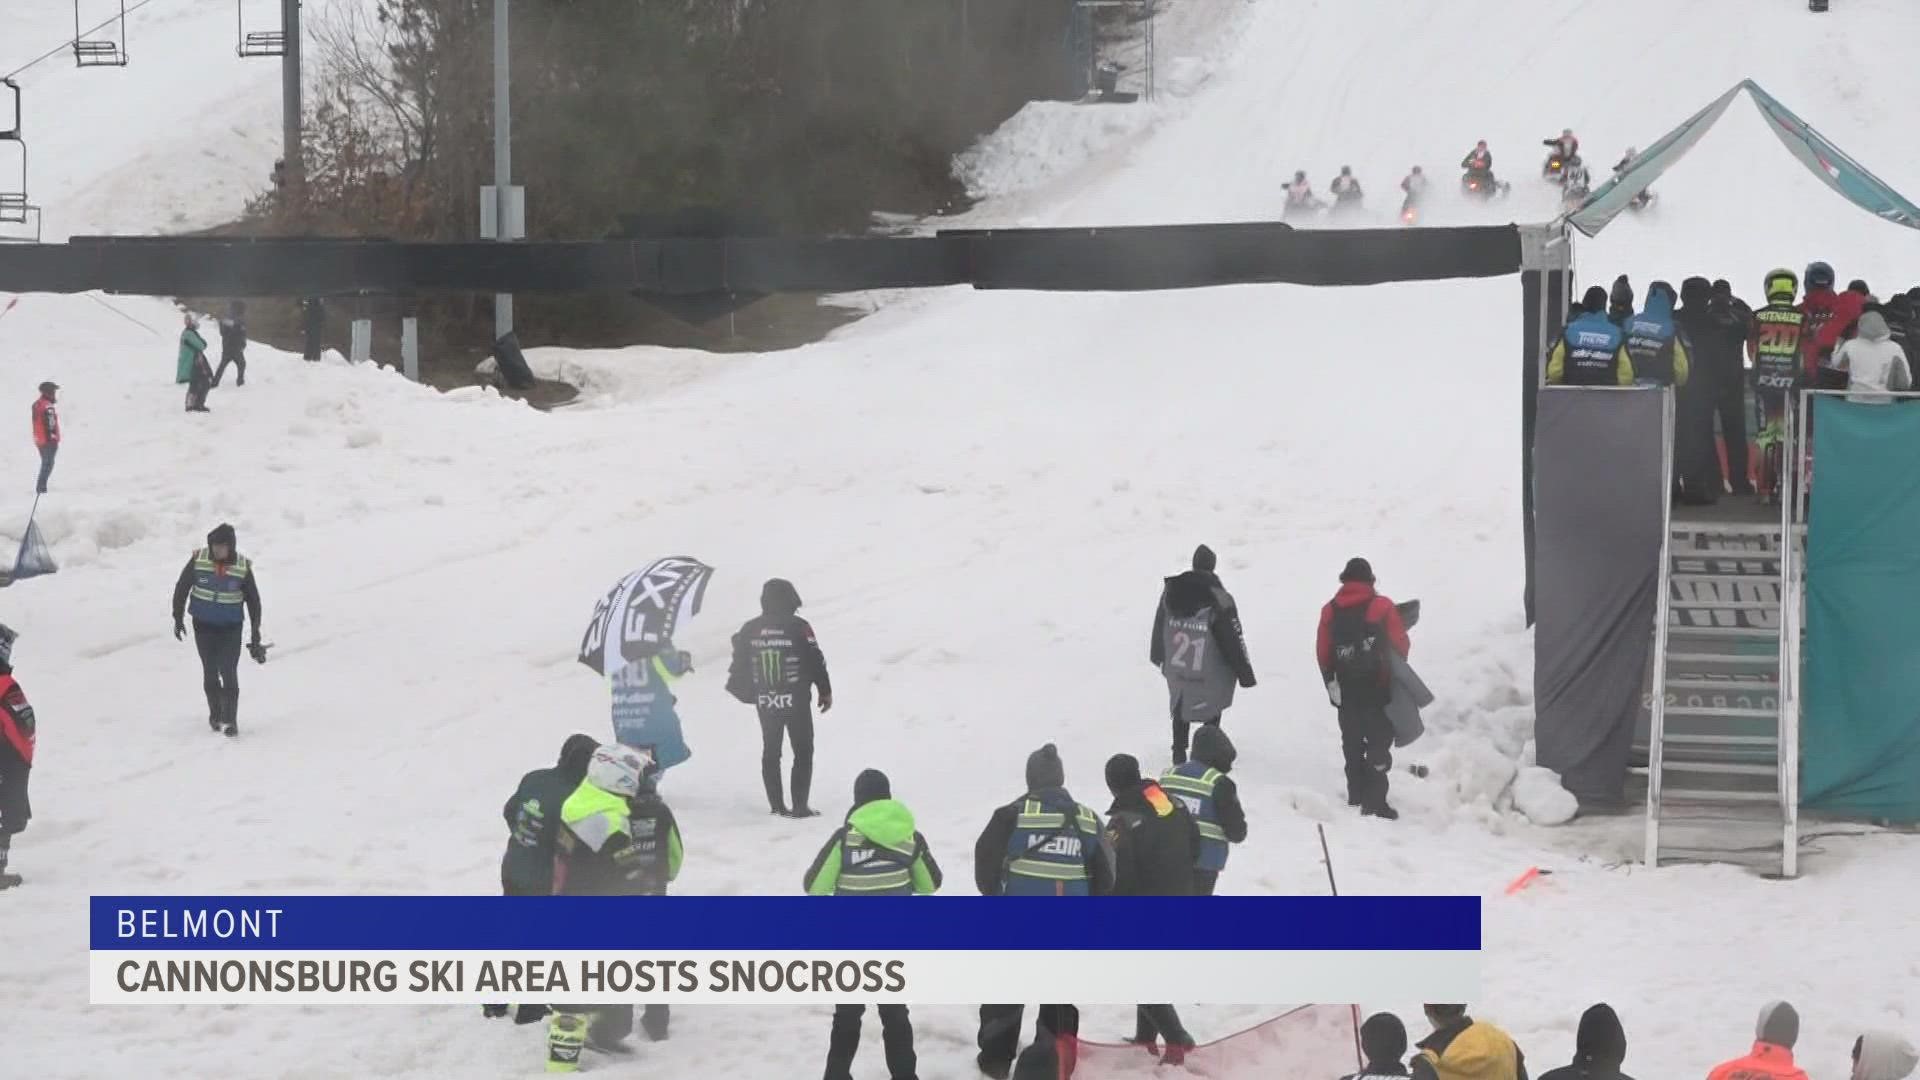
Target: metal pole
x=296, y=167
x=502, y=159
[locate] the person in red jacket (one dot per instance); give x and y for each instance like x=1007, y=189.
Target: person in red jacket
x=46, y=431
x=16, y=756
x=1772, y=1056
x=1357, y=627
x=1829, y=316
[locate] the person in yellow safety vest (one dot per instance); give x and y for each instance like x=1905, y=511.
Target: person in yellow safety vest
x=617, y=838
x=1592, y=350
x=877, y=852
x=1210, y=795
x=1462, y=1048
x=219, y=588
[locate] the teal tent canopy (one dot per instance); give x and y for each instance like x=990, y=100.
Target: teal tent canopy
x=1833, y=166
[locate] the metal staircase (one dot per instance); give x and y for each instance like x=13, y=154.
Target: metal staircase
x=1723, y=749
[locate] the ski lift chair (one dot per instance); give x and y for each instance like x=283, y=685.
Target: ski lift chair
x=13, y=199
x=109, y=51
x=254, y=43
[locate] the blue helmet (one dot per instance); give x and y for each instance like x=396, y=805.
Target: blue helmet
x=1819, y=276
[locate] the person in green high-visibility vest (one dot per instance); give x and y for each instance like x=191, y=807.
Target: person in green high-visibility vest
x=617, y=837
x=1210, y=795
x=877, y=852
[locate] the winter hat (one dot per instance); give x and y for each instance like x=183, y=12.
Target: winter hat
x=1123, y=773
x=1622, y=294
x=1204, y=559
x=779, y=597
x=1384, y=1038
x=1873, y=327
x=871, y=786
x=1044, y=769
x=1662, y=287
x=49, y=387
x=617, y=769
x=1882, y=1055
x=574, y=754
x=1212, y=748
x=221, y=534
x=7, y=637
x=1695, y=290
x=1358, y=569
x=1601, y=1039
x=1859, y=286
x=1595, y=300
x=1779, y=1024
x=1438, y=1013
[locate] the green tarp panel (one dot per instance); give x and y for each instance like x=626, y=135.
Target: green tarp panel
x=1860, y=713
x=1607, y=200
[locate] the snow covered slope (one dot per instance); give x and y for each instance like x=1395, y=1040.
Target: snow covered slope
x=977, y=494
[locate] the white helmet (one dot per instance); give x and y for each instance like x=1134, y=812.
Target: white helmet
x=618, y=769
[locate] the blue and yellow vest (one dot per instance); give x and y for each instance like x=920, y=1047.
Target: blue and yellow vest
x=217, y=596
x=1593, y=349
x=1193, y=783
x=871, y=869
x=1047, y=852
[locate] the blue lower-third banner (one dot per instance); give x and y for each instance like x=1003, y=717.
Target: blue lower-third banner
x=420, y=950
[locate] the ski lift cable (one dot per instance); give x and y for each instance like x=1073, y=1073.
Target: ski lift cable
x=68, y=44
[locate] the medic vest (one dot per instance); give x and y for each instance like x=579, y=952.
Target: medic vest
x=1193, y=783
x=1047, y=853
x=218, y=592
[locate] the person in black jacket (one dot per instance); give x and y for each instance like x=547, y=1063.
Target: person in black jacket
x=1696, y=465
x=532, y=814
x=1198, y=646
x=233, y=344
x=1040, y=844
x=1727, y=366
x=1598, y=1048
x=1218, y=809
x=1620, y=301
x=17, y=737
x=219, y=588
x=776, y=665
x=1383, y=1038
x=1154, y=844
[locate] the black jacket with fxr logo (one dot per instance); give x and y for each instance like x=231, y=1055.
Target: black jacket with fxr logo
x=776, y=660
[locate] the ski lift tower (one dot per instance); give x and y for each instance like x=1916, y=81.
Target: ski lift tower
x=109, y=50
x=1119, y=47
x=252, y=42
x=14, y=207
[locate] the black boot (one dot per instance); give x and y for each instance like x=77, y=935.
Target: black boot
x=654, y=1020
x=230, y=721
x=216, y=709
x=7, y=881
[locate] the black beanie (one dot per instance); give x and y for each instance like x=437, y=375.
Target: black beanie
x=871, y=786
x=221, y=534
x=1357, y=570
x=1622, y=291
x=1601, y=1039
x=1779, y=1024
x=1595, y=300
x=1123, y=773
x=1044, y=769
x=1204, y=559
x=1384, y=1038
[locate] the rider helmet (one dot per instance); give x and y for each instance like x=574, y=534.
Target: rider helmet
x=1819, y=276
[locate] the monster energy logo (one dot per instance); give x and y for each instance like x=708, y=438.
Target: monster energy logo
x=772, y=664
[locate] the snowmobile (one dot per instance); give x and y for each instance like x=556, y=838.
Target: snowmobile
x=1555, y=169
x=1483, y=186
x=1410, y=211
x=1642, y=201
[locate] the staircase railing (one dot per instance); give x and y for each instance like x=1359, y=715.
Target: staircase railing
x=1662, y=615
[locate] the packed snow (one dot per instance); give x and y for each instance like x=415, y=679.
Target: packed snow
x=976, y=493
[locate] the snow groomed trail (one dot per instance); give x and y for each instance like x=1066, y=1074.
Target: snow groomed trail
x=975, y=493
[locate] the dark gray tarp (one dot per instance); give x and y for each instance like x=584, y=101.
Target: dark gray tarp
x=1600, y=494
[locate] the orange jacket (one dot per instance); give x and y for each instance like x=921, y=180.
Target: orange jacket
x=46, y=423
x=1767, y=1062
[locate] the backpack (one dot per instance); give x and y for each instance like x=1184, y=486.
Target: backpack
x=1359, y=650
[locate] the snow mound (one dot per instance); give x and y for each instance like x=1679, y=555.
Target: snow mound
x=1537, y=793
x=1043, y=142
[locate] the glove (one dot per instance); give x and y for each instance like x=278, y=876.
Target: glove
x=826, y=702
x=258, y=652
x=179, y=630
x=686, y=662
x=1248, y=682
x=1333, y=692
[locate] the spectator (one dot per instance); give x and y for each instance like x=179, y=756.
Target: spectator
x=1828, y=315
x=1154, y=840
x=1462, y=1048
x=1592, y=351
x=1723, y=289
x=1772, y=1054
x=46, y=431
x=1882, y=1055
x=1598, y=1048
x=1900, y=321
x=194, y=370
x=1653, y=340
x=233, y=344
x=1713, y=360
x=1620, y=301
x=1872, y=362
x=1859, y=286
x=1383, y=1039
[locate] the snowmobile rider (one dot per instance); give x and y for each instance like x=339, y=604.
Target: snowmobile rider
x=777, y=665
x=1565, y=147
x=617, y=838
x=1414, y=184
x=877, y=852
x=1775, y=348
x=1300, y=194
x=1043, y=843
x=1199, y=648
x=16, y=756
x=1479, y=162
x=1357, y=627
x=220, y=582
x=1592, y=351
x=1577, y=185
x=1346, y=189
